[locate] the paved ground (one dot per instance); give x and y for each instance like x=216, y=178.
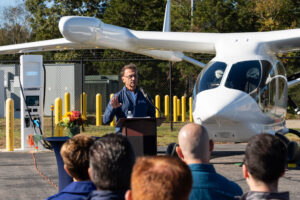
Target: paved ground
x=19, y=180
x=293, y=123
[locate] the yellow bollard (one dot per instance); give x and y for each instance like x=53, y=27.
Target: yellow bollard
x=191, y=109
x=175, y=117
x=113, y=122
x=167, y=108
x=58, y=117
x=183, y=108
x=157, y=104
x=178, y=108
x=98, y=109
x=10, y=124
x=83, y=104
x=67, y=102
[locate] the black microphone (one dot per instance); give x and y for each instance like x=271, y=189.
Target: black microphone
x=146, y=97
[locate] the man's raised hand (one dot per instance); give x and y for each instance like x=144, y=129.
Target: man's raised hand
x=115, y=102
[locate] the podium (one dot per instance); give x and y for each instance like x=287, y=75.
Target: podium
x=141, y=132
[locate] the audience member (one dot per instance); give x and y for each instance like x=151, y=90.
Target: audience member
x=111, y=162
x=75, y=154
x=195, y=148
x=160, y=178
x=264, y=164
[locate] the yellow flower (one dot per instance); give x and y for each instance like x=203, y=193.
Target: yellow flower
x=66, y=120
x=68, y=114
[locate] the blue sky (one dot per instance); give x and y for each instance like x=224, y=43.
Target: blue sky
x=5, y=3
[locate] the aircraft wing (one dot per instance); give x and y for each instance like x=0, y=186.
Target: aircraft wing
x=281, y=41
x=45, y=45
x=92, y=33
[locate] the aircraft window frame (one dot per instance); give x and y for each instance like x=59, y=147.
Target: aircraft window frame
x=245, y=76
x=210, y=77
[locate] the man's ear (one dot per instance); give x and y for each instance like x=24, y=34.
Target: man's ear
x=128, y=195
x=123, y=79
x=245, y=171
x=66, y=169
x=211, y=145
x=179, y=152
x=90, y=173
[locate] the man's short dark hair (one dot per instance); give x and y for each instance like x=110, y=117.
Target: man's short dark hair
x=265, y=157
x=111, y=162
x=131, y=66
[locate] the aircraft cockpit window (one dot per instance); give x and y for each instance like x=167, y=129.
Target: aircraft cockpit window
x=244, y=76
x=210, y=77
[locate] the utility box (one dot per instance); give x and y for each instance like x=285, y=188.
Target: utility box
x=103, y=84
x=2, y=99
x=62, y=78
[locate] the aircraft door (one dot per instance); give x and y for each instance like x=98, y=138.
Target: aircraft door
x=273, y=95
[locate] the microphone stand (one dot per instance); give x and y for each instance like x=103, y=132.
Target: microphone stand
x=146, y=97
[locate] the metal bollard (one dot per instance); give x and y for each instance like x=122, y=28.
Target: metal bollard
x=157, y=104
x=175, y=116
x=67, y=102
x=183, y=108
x=167, y=108
x=98, y=109
x=178, y=108
x=58, y=117
x=83, y=104
x=10, y=124
x=191, y=109
x=113, y=122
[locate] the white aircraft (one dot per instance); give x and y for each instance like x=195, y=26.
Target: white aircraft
x=241, y=92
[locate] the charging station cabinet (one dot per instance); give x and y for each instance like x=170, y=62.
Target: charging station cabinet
x=2, y=100
x=31, y=96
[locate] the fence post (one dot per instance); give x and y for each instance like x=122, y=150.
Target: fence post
x=167, y=108
x=98, y=109
x=83, y=104
x=67, y=102
x=157, y=104
x=10, y=124
x=58, y=117
x=175, y=116
x=191, y=109
x=113, y=122
x=183, y=108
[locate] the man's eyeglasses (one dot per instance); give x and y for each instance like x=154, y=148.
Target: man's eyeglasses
x=131, y=76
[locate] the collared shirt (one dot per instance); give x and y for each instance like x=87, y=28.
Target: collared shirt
x=207, y=184
x=76, y=190
x=139, y=107
x=106, y=195
x=252, y=195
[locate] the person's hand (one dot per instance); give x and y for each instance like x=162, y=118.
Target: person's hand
x=115, y=102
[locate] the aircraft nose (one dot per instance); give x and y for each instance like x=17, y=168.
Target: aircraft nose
x=226, y=104
x=79, y=29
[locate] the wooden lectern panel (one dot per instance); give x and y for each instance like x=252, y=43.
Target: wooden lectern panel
x=141, y=132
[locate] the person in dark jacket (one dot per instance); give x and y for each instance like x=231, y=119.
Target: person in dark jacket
x=111, y=162
x=131, y=101
x=264, y=163
x=75, y=154
x=195, y=149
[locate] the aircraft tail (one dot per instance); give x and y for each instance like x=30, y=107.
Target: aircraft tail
x=167, y=19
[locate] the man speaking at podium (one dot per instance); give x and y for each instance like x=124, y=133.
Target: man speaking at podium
x=131, y=101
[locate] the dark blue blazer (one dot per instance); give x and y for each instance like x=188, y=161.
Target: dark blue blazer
x=141, y=107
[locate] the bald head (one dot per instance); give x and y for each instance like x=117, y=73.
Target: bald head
x=194, y=143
